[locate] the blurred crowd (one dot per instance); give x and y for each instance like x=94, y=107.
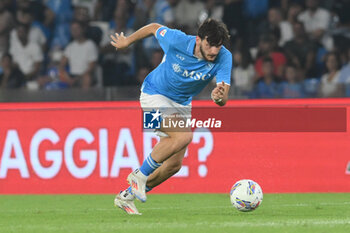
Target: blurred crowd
x=281, y=48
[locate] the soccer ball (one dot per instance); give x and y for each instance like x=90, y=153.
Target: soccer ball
x=246, y=195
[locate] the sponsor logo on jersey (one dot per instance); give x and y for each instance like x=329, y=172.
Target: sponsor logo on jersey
x=190, y=74
x=196, y=75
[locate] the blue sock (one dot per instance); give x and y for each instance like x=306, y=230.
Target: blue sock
x=148, y=189
x=149, y=165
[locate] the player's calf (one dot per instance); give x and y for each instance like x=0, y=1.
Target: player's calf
x=169, y=167
x=172, y=167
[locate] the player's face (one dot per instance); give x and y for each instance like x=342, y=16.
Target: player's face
x=209, y=52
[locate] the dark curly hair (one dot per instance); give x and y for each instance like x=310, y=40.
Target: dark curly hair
x=214, y=31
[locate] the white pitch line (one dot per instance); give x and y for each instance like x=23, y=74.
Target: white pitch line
x=281, y=223
x=179, y=208
x=314, y=204
x=273, y=205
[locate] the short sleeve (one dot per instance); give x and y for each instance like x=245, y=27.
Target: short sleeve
x=225, y=69
x=323, y=20
x=41, y=37
x=92, y=52
x=168, y=37
x=67, y=51
x=342, y=77
x=37, y=53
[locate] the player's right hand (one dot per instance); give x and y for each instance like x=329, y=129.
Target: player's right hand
x=119, y=41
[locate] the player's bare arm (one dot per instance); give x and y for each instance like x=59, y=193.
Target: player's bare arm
x=119, y=41
x=220, y=93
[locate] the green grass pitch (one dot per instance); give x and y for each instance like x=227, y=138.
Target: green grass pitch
x=301, y=213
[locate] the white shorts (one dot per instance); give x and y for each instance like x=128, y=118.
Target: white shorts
x=165, y=105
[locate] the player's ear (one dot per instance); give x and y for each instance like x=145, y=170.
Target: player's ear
x=198, y=40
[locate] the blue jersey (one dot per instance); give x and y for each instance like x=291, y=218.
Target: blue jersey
x=181, y=75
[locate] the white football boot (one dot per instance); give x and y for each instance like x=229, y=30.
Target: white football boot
x=125, y=201
x=137, y=181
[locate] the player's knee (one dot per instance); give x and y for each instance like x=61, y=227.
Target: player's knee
x=180, y=140
x=186, y=138
x=190, y=137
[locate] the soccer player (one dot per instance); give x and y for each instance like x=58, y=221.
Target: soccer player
x=189, y=64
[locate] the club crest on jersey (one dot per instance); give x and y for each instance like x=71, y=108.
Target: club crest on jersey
x=176, y=68
x=162, y=32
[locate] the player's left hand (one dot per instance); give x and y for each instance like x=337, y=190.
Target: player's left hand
x=119, y=41
x=218, y=92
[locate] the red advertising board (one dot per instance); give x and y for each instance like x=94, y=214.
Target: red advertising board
x=92, y=147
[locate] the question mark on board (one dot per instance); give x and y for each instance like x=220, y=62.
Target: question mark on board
x=205, y=151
